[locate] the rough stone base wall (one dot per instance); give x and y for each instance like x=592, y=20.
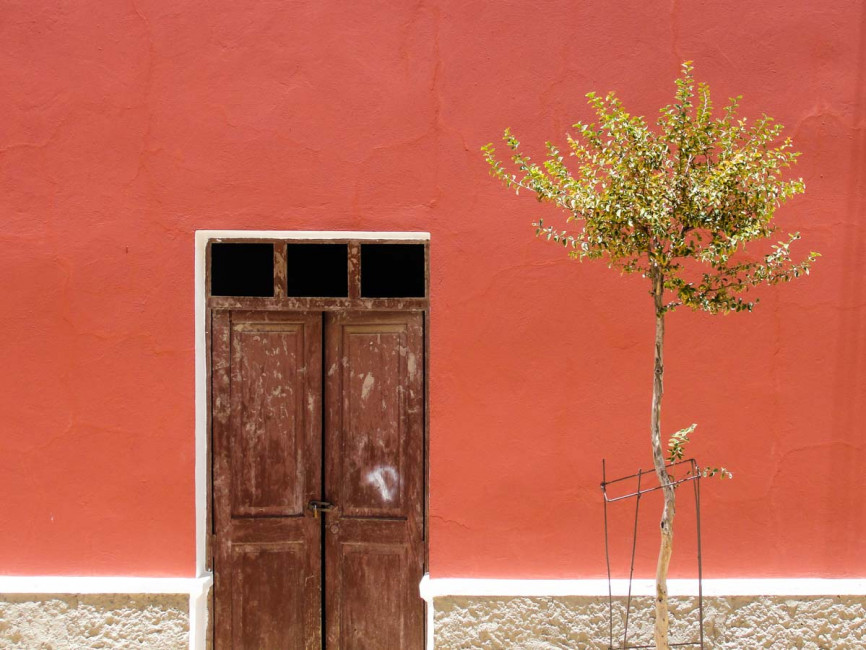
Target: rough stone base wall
x=732, y=623
x=61, y=622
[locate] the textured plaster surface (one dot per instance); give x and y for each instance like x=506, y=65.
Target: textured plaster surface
x=126, y=126
x=572, y=623
x=72, y=622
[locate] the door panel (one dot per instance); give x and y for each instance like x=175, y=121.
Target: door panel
x=268, y=578
x=374, y=423
x=267, y=404
x=372, y=578
x=267, y=467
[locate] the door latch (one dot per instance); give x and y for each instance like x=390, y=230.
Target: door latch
x=320, y=506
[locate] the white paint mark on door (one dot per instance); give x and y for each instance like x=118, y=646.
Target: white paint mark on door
x=386, y=480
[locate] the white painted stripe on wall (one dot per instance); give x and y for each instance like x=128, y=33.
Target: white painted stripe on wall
x=198, y=617
x=101, y=585
x=437, y=587
x=312, y=234
x=201, y=238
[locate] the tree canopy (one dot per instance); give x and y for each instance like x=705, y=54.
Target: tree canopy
x=680, y=202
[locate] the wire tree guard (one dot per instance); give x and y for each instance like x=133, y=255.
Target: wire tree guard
x=693, y=476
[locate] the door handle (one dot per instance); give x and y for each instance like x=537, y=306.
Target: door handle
x=320, y=506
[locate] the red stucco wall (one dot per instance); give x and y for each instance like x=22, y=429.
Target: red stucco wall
x=124, y=127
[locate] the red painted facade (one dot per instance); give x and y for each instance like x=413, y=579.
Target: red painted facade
x=125, y=127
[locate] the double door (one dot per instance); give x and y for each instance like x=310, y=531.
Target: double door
x=318, y=479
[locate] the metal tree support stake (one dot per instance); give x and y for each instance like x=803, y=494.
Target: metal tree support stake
x=693, y=475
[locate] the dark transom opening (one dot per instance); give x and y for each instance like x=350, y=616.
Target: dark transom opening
x=392, y=271
x=242, y=269
x=317, y=270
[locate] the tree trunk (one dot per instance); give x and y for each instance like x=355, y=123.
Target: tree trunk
x=667, y=521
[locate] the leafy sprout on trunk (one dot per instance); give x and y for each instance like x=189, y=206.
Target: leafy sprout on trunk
x=677, y=204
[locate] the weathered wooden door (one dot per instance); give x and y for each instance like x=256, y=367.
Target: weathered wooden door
x=344, y=573
x=374, y=473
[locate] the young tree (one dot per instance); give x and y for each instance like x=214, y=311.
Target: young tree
x=677, y=205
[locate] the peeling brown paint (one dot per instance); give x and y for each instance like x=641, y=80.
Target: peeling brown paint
x=268, y=462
